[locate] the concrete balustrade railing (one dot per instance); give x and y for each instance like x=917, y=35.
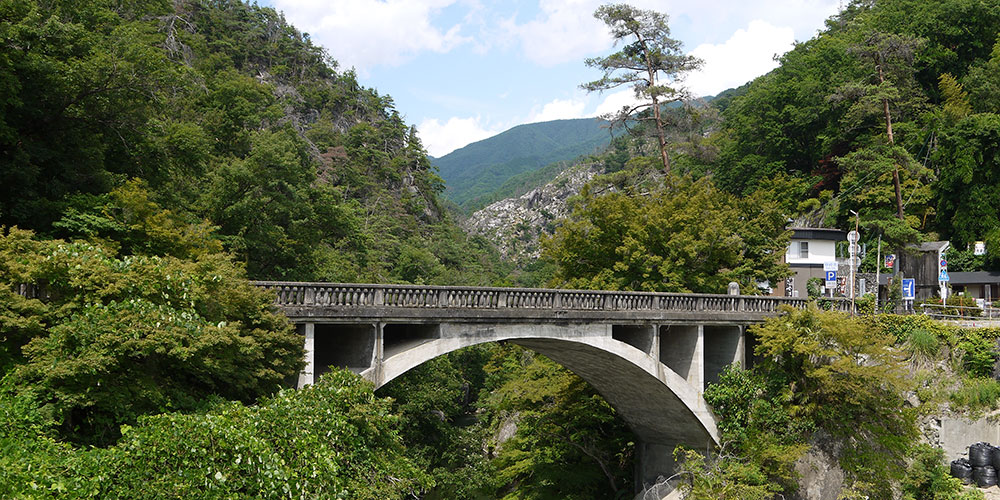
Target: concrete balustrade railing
x=420, y=296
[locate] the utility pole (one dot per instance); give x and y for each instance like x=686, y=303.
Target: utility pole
x=853, y=238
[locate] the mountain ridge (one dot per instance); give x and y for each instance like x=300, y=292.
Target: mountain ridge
x=479, y=168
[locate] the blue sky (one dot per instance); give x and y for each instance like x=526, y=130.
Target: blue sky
x=463, y=70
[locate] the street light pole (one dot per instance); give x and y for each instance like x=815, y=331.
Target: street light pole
x=852, y=254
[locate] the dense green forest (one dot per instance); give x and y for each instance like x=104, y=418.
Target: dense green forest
x=157, y=154
x=891, y=112
x=893, y=85
x=221, y=115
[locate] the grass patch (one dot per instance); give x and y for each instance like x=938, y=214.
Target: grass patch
x=923, y=343
x=977, y=394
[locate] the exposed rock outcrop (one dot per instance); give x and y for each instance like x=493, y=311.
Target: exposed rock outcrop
x=515, y=225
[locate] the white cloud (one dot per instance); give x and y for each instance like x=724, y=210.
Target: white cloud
x=564, y=30
x=440, y=139
x=747, y=54
x=614, y=103
x=559, y=109
x=717, y=18
x=368, y=33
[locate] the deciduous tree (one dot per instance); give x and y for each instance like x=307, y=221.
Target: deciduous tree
x=100, y=340
x=686, y=236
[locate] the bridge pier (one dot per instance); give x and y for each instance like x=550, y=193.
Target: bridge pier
x=724, y=345
x=682, y=349
x=307, y=376
x=356, y=347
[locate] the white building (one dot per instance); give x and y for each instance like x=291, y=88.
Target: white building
x=807, y=251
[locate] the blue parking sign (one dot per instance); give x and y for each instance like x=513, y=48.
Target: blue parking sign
x=909, y=289
x=831, y=275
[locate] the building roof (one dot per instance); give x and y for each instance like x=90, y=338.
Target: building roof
x=817, y=233
x=960, y=278
x=930, y=246
x=974, y=278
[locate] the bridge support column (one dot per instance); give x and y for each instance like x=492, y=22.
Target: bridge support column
x=377, y=377
x=308, y=372
x=682, y=348
x=642, y=337
x=725, y=345
x=654, y=465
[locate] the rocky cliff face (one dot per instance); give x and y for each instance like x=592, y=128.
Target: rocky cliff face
x=515, y=225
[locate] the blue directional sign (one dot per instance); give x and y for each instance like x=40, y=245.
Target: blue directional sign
x=909, y=289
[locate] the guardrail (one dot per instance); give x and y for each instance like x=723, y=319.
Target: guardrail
x=351, y=295
x=943, y=311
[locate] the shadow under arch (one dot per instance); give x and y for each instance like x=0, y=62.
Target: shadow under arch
x=660, y=406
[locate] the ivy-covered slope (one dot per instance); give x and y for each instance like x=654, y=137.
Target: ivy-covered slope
x=227, y=114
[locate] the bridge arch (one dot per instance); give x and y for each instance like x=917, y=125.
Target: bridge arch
x=660, y=406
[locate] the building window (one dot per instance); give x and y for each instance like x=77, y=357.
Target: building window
x=804, y=250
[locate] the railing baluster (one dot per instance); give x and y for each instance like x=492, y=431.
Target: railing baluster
x=289, y=294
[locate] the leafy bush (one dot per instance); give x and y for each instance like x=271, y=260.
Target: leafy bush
x=979, y=351
x=812, y=287
x=334, y=439
x=867, y=304
x=724, y=476
x=755, y=422
x=849, y=381
x=901, y=326
x=976, y=394
x=923, y=344
x=928, y=478
x=107, y=339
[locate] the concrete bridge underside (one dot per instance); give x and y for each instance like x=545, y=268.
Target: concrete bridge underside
x=652, y=374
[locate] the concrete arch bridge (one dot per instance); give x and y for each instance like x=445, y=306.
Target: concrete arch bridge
x=649, y=355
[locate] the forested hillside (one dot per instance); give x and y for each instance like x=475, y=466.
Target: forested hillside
x=903, y=86
x=156, y=155
x=890, y=112
x=223, y=115
x=474, y=172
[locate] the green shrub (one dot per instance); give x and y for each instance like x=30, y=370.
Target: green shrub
x=812, y=287
x=724, y=476
x=866, y=304
x=334, y=439
x=848, y=380
x=979, y=351
x=900, y=326
x=113, y=338
x=976, y=394
x=928, y=478
x=755, y=423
